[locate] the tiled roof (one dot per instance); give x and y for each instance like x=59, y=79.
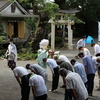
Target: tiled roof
x=4, y=4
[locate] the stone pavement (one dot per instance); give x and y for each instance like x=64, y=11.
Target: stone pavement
x=10, y=89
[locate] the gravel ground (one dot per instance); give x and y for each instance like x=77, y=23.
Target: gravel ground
x=10, y=89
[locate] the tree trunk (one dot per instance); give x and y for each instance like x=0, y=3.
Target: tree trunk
x=40, y=31
x=27, y=40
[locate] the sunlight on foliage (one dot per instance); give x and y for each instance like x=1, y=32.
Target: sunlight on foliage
x=73, y=18
x=51, y=8
x=31, y=24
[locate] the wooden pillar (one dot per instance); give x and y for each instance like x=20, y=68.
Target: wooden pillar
x=53, y=36
x=69, y=37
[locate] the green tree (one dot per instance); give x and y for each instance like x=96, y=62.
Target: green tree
x=45, y=12
x=2, y=31
x=1, y=28
x=89, y=11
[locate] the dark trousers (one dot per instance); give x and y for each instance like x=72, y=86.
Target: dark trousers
x=68, y=95
x=25, y=88
x=98, y=54
x=43, y=97
x=90, y=83
x=55, y=78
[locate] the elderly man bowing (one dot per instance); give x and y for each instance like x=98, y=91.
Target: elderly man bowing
x=75, y=84
x=54, y=69
x=22, y=77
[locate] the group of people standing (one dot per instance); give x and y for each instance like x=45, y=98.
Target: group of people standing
x=78, y=78
x=91, y=63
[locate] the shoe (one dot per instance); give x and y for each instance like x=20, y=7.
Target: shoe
x=52, y=90
x=63, y=86
x=90, y=95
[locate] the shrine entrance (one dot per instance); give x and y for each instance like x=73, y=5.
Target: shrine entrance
x=63, y=22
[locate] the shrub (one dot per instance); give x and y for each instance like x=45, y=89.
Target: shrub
x=2, y=52
x=26, y=54
x=59, y=41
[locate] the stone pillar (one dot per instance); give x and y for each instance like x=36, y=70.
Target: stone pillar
x=63, y=31
x=53, y=36
x=69, y=37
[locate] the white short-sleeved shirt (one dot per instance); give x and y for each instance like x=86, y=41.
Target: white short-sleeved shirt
x=52, y=64
x=81, y=43
x=20, y=71
x=96, y=49
x=96, y=64
x=74, y=81
x=64, y=58
x=38, y=82
x=87, y=52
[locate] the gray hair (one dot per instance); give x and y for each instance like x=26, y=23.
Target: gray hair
x=62, y=71
x=55, y=56
x=59, y=61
